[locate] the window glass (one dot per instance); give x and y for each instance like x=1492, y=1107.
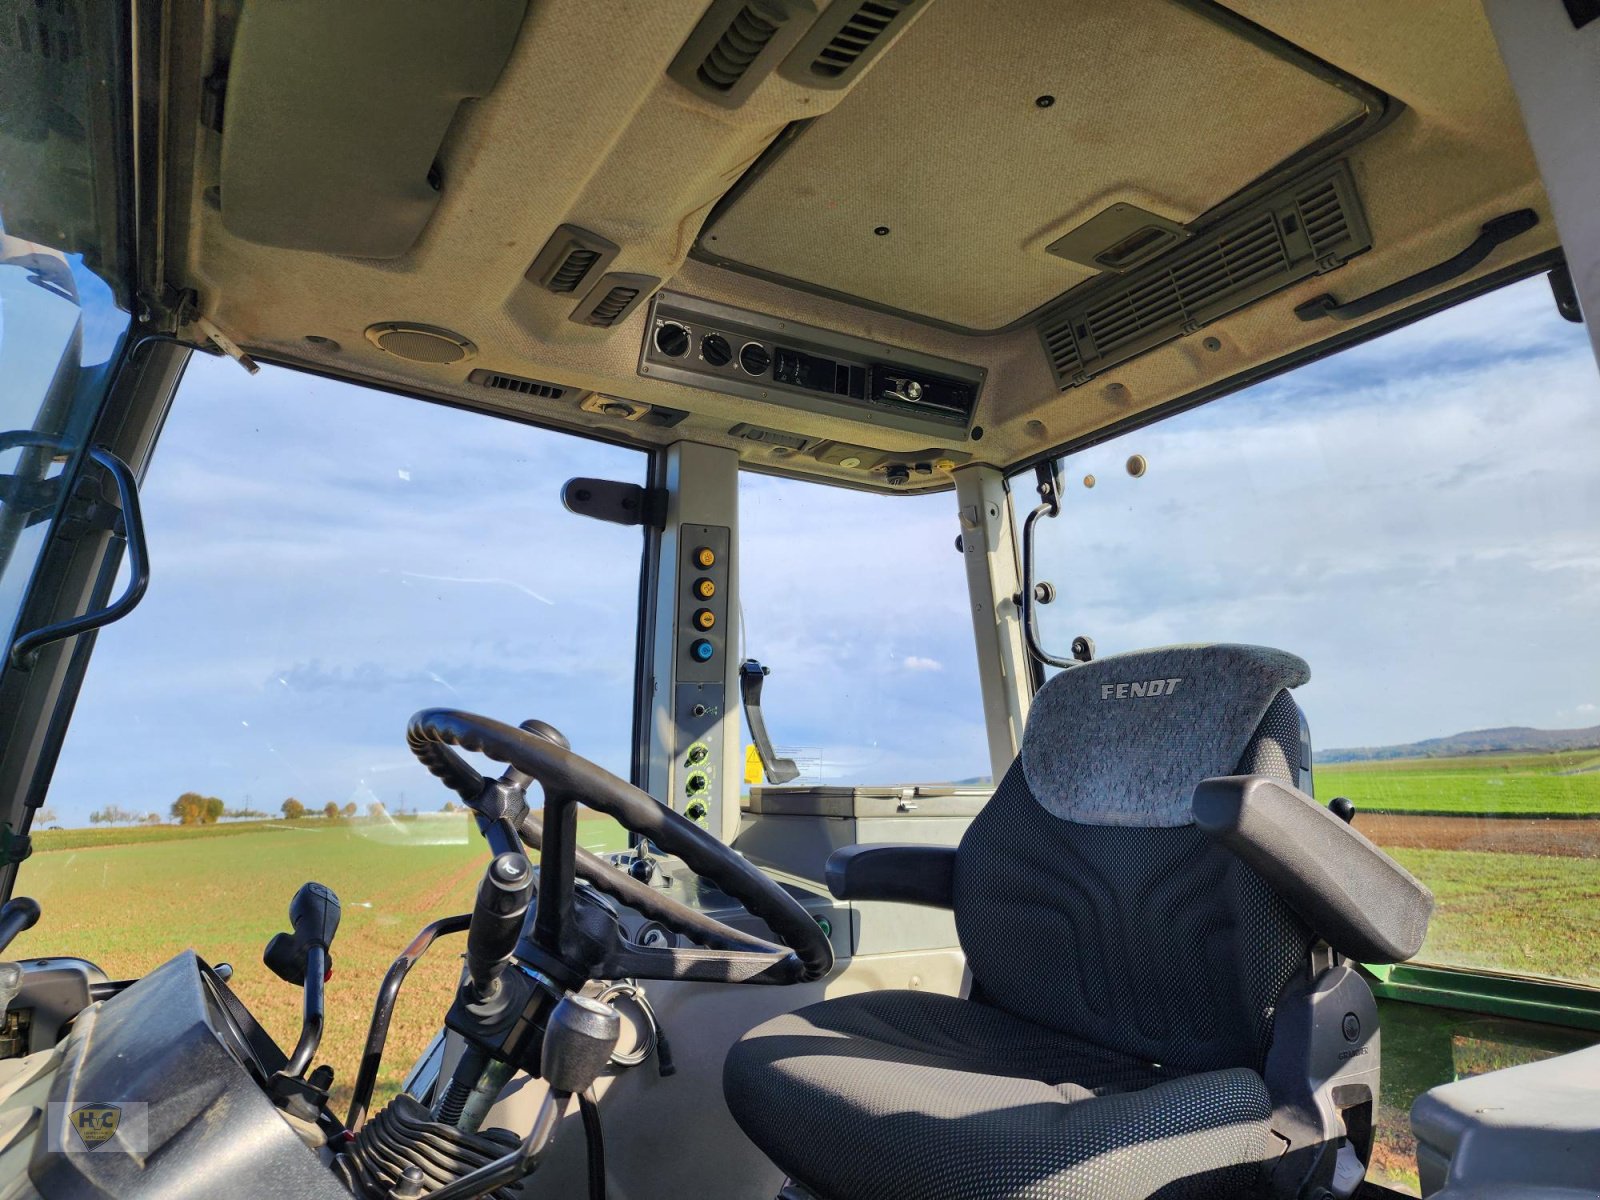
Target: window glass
x=60, y=323
x=858, y=604
x=327, y=560
x=1417, y=518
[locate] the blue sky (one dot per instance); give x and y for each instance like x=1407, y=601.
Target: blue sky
x=1417, y=518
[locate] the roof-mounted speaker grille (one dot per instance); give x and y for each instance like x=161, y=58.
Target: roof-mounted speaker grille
x=1300, y=231
x=613, y=298
x=515, y=383
x=571, y=257
x=737, y=44
x=849, y=35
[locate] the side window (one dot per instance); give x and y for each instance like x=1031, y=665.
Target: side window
x=858, y=604
x=325, y=561
x=1417, y=518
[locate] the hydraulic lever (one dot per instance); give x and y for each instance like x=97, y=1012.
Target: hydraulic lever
x=777, y=770
x=301, y=957
x=578, y=1041
x=19, y=914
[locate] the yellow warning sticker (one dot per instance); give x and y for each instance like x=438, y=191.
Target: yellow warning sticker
x=752, y=764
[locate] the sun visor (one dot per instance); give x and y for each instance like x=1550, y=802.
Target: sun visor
x=335, y=113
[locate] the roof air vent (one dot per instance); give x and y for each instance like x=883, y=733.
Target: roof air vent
x=613, y=298
x=570, y=258
x=1281, y=239
x=840, y=45
x=515, y=383
x=736, y=45
x=1322, y=216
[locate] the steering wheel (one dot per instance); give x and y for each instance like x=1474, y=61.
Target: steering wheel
x=580, y=934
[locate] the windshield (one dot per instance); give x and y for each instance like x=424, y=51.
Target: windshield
x=858, y=603
x=1418, y=518
x=326, y=560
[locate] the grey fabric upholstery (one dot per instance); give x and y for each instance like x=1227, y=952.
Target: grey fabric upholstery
x=891, y=1095
x=1152, y=942
x=1125, y=971
x=1123, y=740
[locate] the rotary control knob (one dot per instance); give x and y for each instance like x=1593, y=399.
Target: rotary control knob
x=672, y=339
x=754, y=358
x=715, y=350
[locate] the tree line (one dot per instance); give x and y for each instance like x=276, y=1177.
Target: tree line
x=192, y=808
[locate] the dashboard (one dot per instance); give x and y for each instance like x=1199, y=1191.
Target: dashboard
x=181, y=1073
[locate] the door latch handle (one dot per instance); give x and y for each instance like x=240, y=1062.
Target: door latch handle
x=25, y=650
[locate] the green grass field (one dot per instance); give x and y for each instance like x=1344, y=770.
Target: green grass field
x=1562, y=782
x=129, y=899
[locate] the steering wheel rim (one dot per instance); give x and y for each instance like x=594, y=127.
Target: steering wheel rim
x=721, y=953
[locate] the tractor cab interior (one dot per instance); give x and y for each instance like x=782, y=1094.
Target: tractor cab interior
x=856, y=510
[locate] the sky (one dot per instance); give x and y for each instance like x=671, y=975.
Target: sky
x=1416, y=518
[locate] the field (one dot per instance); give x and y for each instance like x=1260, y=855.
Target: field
x=1565, y=782
x=129, y=899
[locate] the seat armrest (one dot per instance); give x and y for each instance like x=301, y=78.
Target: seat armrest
x=1353, y=895
x=909, y=874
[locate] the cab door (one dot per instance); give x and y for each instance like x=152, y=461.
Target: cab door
x=80, y=396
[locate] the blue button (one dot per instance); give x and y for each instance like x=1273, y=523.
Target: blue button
x=701, y=650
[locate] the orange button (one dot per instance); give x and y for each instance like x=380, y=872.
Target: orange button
x=705, y=588
x=705, y=556
x=704, y=618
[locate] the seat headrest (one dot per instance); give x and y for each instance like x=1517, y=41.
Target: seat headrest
x=1124, y=740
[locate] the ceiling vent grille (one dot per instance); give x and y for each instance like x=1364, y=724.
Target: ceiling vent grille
x=740, y=45
x=1323, y=217
x=515, y=383
x=1273, y=243
x=572, y=270
x=737, y=44
x=571, y=257
x=855, y=37
x=613, y=299
x=839, y=46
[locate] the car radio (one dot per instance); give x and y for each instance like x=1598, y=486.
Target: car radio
x=725, y=349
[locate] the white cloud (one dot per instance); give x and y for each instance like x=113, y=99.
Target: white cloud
x=916, y=662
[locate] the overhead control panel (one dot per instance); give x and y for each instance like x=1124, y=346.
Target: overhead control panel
x=742, y=353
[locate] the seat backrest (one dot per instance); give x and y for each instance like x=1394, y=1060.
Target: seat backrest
x=1086, y=899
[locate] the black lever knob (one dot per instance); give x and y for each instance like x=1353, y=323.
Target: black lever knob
x=313, y=920
x=19, y=914
x=578, y=1041
x=497, y=917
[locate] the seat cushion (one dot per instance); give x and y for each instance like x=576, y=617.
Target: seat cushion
x=890, y=1095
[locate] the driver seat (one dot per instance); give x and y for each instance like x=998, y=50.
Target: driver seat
x=1154, y=916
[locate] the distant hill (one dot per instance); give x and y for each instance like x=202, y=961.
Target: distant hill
x=1516, y=738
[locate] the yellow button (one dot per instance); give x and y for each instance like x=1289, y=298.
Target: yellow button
x=704, y=618
x=705, y=556
x=705, y=588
